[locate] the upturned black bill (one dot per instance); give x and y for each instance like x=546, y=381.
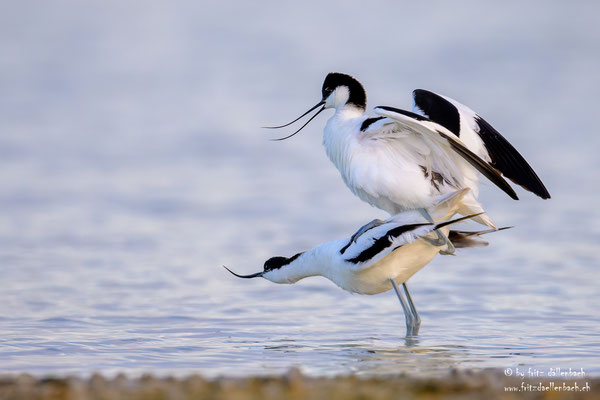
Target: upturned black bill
x=302, y=127
x=256, y=275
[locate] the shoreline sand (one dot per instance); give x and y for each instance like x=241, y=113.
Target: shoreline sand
x=490, y=384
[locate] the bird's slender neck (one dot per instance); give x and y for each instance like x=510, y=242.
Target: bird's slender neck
x=340, y=133
x=310, y=263
x=348, y=111
x=341, y=123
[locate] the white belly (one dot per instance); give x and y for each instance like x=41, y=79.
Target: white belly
x=385, y=180
x=386, y=185
x=399, y=265
x=391, y=178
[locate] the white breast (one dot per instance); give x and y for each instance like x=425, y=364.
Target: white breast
x=387, y=177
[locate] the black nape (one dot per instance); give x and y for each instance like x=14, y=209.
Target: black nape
x=357, y=97
x=278, y=262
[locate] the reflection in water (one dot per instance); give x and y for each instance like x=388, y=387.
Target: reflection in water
x=367, y=357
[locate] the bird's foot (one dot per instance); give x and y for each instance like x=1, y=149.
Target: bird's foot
x=373, y=224
x=449, y=250
x=441, y=239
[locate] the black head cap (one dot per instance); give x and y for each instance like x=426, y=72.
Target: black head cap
x=278, y=262
x=275, y=263
x=358, y=97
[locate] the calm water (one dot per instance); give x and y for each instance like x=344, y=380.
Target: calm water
x=132, y=167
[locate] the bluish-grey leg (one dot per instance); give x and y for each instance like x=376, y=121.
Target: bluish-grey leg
x=411, y=305
x=441, y=240
x=425, y=214
x=412, y=323
x=373, y=224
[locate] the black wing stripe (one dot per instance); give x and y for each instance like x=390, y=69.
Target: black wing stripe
x=438, y=109
x=413, y=115
x=343, y=249
x=482, y=166
x=485, y=168
x=368, y=122
x=383, y=242
x=508, y=160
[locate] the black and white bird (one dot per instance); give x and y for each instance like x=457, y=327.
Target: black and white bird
x=382, y=258
x=398, y=160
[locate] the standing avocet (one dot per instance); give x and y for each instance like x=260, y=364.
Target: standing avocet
x=380, y=259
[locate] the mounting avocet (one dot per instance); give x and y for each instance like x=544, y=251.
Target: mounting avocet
x=399, y=160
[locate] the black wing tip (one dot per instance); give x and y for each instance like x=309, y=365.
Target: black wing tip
x=537, y=188
x=482, y=166
x=540, y=190
x=504, y=228
x=534, y=185
x=543, y=195
x=457, y=220
x=509, y=161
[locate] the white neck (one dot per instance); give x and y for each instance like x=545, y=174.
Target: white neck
x=342, y=122
x=339, y=134
x=348, y=111
x=316, y=261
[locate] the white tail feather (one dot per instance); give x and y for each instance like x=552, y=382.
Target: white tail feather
x=470, y=205
x=449, y=204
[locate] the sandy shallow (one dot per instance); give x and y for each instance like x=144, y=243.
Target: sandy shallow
x=492, y=384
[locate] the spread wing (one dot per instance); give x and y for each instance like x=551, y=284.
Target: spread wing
x=438, y=138
x=484, y=140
